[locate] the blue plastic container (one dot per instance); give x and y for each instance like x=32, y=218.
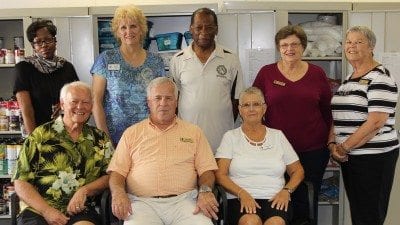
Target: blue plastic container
x=169, y=41
x=188, y=37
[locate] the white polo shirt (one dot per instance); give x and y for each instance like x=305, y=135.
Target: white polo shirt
x=205, y=90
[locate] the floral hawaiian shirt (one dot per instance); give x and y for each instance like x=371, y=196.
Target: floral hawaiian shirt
x=57, y=166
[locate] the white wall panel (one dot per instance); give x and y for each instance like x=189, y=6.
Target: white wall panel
x=263, y=30
x=228, y=31
x=377, y=25
x=81, y=45
x=363, y=19
x=392, y=38
x=63, y=37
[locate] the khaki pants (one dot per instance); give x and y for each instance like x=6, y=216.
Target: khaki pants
x=176, y=210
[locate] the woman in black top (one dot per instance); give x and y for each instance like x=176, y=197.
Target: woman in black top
x=40, y=77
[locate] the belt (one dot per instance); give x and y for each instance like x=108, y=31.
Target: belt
x=164, y=196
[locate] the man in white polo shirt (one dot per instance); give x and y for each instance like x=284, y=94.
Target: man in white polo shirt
x=209, y=79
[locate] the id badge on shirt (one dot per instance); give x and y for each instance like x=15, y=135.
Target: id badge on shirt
x=113, y=67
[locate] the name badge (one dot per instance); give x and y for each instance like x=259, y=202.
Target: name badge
x=280, y=83
x=364, y=82
x=113, y=67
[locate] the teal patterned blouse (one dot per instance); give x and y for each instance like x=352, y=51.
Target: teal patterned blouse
x=125, y=94
x=57, y=166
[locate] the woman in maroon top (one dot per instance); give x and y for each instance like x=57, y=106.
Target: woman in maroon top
x=299, y=98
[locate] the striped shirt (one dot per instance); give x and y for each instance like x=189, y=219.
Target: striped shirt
x=375, y=91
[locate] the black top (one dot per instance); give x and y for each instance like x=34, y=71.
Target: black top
x=44, y=89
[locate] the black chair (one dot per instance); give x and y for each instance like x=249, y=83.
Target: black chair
x=106, y=210
x=14, y=207
x=220, y=194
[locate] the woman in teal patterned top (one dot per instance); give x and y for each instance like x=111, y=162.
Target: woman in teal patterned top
x=62, y=165
x=121, y=75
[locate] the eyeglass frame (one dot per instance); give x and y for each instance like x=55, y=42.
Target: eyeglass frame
x=252, y=105
x=47, y=41
x=292, y=45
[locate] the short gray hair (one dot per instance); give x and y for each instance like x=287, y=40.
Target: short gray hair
x=368, y=33
x=79, y=84
x=161, y=80
x=251, y=90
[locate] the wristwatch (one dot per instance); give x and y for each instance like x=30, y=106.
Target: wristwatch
x=204, y=188
x=290, y=190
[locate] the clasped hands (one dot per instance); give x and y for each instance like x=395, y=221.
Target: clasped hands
x=339, y=152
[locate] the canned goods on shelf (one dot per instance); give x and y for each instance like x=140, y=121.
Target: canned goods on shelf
x=18, y=42
x=10, y=58
x=19, y=55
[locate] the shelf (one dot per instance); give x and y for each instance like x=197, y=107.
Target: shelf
x=5, y=216
x=327, y=58
x=332, y=168
x=10, y=132
x=329, y=203
x=7, y=65
x=5, y=176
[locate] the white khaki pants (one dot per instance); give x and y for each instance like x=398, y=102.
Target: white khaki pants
x=176, y=210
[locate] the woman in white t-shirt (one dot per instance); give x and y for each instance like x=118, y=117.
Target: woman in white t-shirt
x=252, y=161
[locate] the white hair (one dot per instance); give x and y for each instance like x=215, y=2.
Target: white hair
x=161, y=80
x=77, y=84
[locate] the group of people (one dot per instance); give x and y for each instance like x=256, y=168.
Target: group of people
x=164, y=165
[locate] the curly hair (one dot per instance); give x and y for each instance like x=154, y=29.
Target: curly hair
x=129, y=12
x=39, y=24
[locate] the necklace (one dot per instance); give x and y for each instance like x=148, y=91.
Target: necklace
x=260, y=144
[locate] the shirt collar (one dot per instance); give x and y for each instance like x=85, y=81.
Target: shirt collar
x=174, y=123
x=218, y=51
x=59, y=127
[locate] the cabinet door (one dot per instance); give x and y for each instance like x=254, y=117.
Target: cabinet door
x=247, y=32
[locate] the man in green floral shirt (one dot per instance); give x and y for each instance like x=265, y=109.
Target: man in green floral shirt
x=63, y=164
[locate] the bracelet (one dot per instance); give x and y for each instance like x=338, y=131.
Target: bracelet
x=238, y=194
x=331, y=142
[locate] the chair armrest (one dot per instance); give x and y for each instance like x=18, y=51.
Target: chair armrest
x=105, y=203
x=311, y=203
x=220, y=195
x=14, y=208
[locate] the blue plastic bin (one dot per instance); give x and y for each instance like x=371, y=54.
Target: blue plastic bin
x=169, y=41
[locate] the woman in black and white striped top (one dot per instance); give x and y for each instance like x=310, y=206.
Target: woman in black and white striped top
x=363, y=138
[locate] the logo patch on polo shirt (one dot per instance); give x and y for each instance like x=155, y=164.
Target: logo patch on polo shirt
x=221, y=70
x=188, y=140
x=364, y=81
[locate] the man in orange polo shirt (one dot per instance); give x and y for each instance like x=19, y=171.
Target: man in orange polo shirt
x=162, y=169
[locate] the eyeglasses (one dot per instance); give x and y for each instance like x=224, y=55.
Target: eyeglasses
x=207, y=29
x=354, y=43
x=292, y=45
x=46, y=41
x=252, y=105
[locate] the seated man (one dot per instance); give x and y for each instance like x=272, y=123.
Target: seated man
x=63, y=164
x=161, y=161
